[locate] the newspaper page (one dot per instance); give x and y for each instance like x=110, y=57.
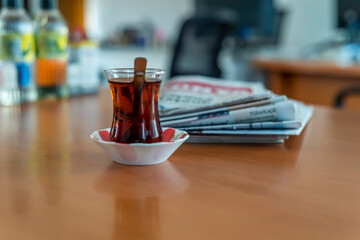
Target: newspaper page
x=281, y=111
x=248, y=126
x=200, y=111
x=186, y=92
x=237, y=138
x=303, y=114
x=217, y=110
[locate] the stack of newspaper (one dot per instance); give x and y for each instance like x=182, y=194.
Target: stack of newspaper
x=215, y=110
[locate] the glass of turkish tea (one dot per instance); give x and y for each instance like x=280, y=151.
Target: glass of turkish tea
x=135, y=116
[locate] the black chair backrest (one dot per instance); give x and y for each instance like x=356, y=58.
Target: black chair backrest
x=340, y=97
x=198, y=46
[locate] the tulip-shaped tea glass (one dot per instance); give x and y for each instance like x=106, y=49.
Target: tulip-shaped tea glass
x=135, y=116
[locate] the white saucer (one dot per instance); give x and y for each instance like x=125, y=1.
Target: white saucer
x=141, y=153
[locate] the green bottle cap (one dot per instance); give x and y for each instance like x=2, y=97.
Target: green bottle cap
x=48, y=4
x=12, y=4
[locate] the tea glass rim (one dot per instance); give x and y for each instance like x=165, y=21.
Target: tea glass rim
x=131, y=70
x=127, y=74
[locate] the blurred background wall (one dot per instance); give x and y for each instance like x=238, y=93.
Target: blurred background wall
x=307, y=21
x=104, y=18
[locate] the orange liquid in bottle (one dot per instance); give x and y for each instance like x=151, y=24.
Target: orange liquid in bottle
x=50, y=77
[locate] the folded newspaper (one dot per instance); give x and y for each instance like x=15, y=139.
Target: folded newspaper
x=215, y=110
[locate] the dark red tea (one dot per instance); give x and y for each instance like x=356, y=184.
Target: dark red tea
x=142, y=126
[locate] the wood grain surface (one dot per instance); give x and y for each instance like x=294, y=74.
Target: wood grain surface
x=55, y=183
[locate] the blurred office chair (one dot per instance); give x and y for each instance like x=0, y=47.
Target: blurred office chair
x=198, y=46
x=345, y=93
x=279, y=26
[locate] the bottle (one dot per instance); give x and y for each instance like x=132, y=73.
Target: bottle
x=17, y=47
x=9, y=89
x=51, y=37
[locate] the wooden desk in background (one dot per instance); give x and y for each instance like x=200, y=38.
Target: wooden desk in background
x=313, y=82
x=55, y=183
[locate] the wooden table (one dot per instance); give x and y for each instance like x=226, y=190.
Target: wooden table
x=55, y=183
x=314, y=82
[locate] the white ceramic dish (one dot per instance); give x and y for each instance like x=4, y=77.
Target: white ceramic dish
x=141, y=153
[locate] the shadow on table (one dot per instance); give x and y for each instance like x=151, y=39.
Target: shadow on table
x=137, y=191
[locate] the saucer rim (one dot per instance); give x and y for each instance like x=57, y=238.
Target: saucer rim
x=140, y=144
